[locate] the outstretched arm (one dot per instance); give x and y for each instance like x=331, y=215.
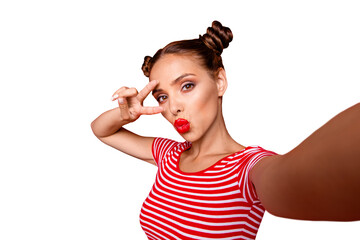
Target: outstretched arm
x=320, y=178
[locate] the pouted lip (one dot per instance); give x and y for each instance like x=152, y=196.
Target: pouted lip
x=182, y=125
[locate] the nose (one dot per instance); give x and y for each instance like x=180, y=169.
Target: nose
x=176, y=106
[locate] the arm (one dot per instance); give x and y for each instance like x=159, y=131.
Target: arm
x=320, y=178
x=108, y=127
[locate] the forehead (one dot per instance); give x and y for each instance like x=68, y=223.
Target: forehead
x=171, y=66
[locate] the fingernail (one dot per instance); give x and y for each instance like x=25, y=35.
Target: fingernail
x=114, y=97
x=121, y=100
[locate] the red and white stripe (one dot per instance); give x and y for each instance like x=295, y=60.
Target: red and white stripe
x=217, y=203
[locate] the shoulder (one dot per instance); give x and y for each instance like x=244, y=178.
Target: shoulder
x=256, y=153
x=165, y=143
x=250, y=158
x=255, y=149
x=268, y=161
x=162, y=146
x=160, y=142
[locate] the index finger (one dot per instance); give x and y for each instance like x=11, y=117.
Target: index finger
x=146, y=90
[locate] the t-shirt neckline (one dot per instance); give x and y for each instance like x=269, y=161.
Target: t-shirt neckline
x=187, y=146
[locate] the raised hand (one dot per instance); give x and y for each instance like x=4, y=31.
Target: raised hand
x=131, y=102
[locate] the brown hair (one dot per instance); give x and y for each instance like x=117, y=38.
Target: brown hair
x=207, y=48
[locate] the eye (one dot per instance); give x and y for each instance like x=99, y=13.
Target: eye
x=188, y=86
x=161, y=98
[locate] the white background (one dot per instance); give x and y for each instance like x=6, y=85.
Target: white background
x=291, y=67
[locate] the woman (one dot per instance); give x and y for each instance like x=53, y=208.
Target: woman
x=210, y=186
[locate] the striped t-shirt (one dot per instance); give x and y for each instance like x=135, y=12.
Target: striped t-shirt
x=219, y=202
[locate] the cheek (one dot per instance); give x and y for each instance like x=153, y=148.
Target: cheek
x=205, y=101
x=166, y=114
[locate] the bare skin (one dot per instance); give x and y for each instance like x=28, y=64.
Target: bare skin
x=313, y=181
x=200, y=103
x=108, y=126
x=320, y=178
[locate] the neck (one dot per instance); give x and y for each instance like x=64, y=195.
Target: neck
x=216, y=140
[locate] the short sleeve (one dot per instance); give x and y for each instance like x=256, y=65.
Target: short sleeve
x=251, y=156
x=160, y=147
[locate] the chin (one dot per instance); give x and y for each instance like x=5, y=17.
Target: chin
x=190, y=136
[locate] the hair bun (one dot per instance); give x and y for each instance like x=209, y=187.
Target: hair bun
x=217, y=37
x=146, y=67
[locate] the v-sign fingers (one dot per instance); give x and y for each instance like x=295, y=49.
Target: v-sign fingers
x=146, y=90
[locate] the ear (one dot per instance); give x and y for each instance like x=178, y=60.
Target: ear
x=221, y=81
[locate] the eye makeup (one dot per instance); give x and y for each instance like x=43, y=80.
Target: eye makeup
x=187, y=86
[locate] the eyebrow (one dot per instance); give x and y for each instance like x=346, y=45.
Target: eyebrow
x=174, y=81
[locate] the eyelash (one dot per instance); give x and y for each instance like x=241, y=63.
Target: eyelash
x=188, y=84
x=185, y=87
x=159, y=98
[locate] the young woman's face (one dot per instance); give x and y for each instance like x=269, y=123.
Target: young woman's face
x=187, y=91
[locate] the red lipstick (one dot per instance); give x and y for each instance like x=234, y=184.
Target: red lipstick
x=182, y=125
